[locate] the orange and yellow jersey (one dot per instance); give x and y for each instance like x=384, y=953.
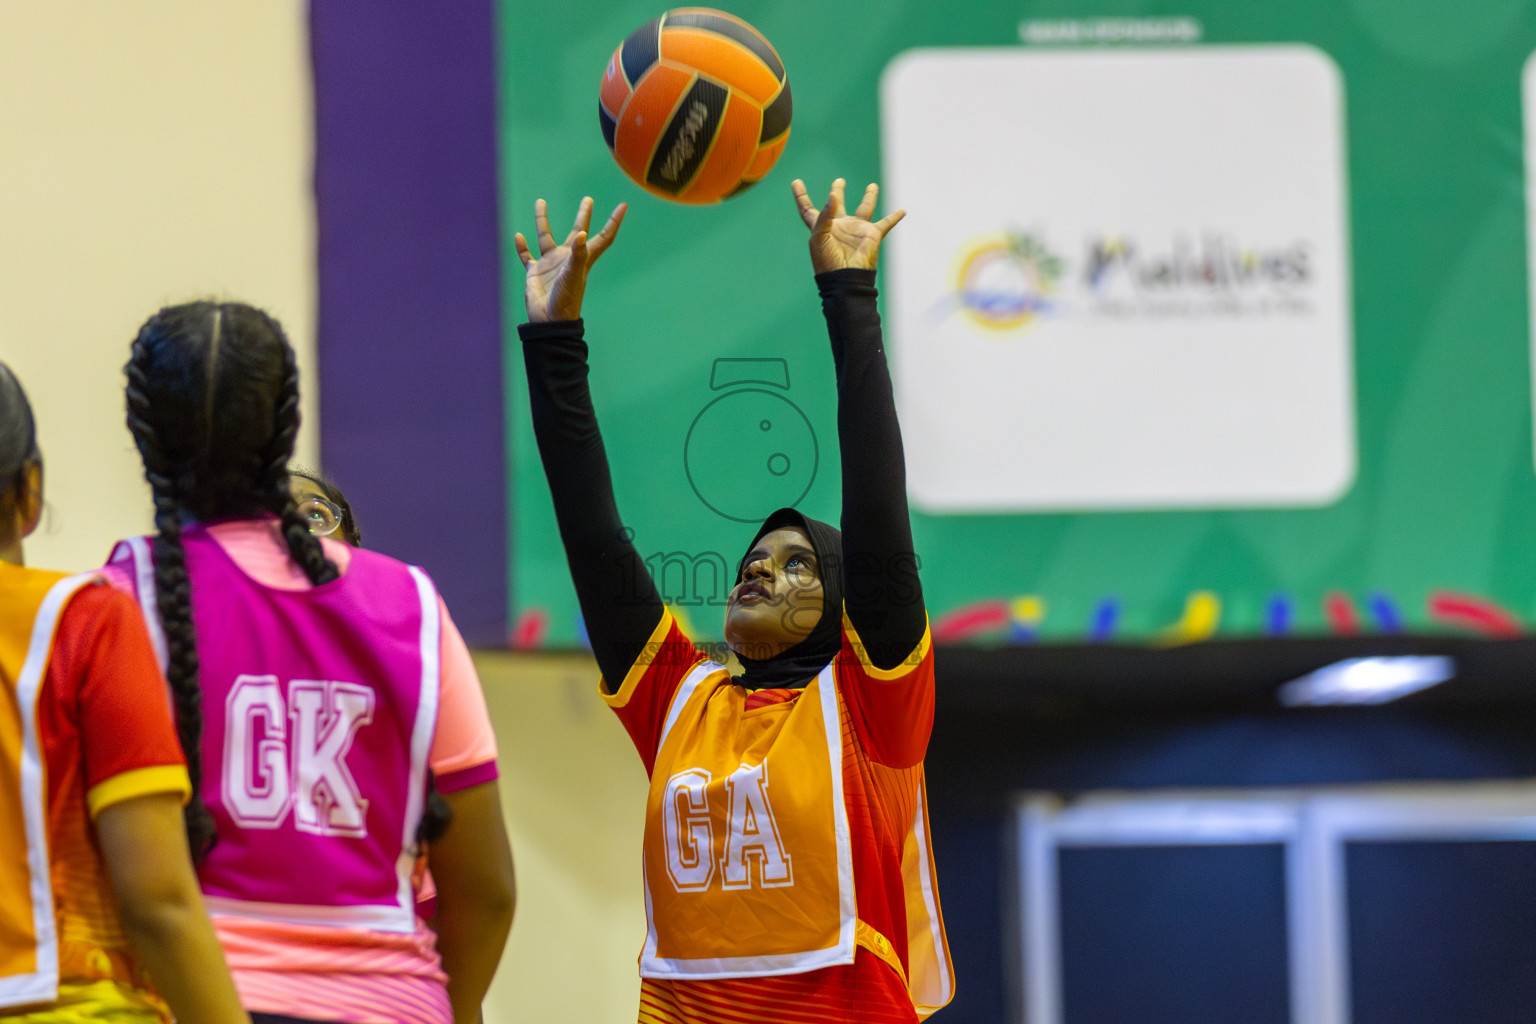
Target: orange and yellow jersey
x=85, y=722
x=787, y=865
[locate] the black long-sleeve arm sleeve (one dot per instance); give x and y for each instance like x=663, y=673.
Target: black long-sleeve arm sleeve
x=619, y=601
x=881, y=590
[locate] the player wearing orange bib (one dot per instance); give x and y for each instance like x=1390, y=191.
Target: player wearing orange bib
x=100, y=914
x=788, y=875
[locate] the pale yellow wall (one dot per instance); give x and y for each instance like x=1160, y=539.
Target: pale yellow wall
x=150, y=152
x=574, y=793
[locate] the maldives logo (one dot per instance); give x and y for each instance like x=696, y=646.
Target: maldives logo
x=1212, y=263
x=1005, y=280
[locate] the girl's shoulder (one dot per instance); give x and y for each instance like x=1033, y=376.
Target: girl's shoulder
x=367, y=562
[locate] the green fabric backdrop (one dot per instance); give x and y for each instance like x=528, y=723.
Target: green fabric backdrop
x=1444, y=499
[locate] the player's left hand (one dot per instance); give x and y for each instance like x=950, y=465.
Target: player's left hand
x=556, y=279
x=840, y=240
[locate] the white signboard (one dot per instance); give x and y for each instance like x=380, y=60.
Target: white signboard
x=1124, y=278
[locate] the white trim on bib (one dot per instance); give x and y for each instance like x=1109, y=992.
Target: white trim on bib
x=685, y=969
x=42, y=984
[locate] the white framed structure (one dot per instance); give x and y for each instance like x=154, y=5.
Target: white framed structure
x=1312, y=825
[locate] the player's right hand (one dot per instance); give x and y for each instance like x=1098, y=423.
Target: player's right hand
x=557, y=277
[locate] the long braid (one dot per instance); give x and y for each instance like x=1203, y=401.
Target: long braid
x=173, y=597
x=277, y=495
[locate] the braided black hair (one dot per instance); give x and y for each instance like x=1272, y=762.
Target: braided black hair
x=436, y=815
x=213, y=406
x=18, y=443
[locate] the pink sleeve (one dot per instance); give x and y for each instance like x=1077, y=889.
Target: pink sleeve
x=464, y=748
x=120, y=575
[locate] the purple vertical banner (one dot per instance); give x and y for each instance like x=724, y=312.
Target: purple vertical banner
x=410, y=331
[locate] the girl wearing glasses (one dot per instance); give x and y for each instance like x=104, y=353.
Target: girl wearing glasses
x=324, y=507
x=787, y=872
x=316, y=686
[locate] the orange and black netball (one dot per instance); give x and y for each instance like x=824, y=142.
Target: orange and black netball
x=695, y=105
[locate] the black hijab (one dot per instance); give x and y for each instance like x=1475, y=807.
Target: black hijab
x=797, y=666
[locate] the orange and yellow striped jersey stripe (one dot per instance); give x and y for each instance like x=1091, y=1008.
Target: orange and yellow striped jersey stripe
x=866, y=991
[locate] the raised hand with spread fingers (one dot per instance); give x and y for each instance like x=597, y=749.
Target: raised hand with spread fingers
x=841, y=240
x=557, y=277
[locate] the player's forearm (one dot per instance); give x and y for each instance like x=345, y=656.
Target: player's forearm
x=476, y=895
x=177, y=946
x=618, y=600
x=882, y=592
x=470, y=939
x=145, y=853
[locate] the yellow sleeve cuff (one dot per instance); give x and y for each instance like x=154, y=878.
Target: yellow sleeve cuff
x=164, y=778
x=638, y=669
x=902, y=668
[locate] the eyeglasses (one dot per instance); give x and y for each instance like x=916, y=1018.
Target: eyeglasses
x=321, y=516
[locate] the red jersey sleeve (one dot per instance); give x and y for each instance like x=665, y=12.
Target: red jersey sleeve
x=891, y=709
x=104, y=667
x=643, y=697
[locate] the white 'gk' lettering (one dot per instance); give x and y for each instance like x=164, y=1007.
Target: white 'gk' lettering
x=255, y=782
x=276, y=756
x=326, y=717
x=752, y=833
